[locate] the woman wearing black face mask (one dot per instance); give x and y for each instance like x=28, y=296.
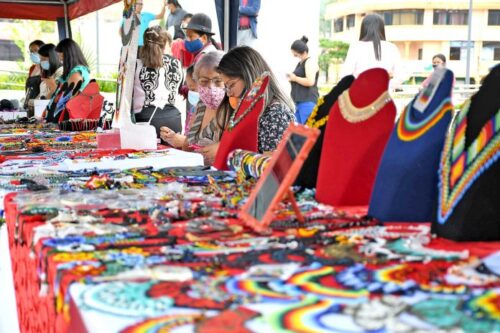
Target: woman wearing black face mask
x=199, y=37
x=438, y=61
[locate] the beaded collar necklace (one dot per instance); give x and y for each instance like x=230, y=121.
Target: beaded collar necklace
x=354, y=114
x=233, y=121
x=460, y=167
x=410, y=130
x=311, y=121
x=255, y=94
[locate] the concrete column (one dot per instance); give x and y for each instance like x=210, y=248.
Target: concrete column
x=407, y=50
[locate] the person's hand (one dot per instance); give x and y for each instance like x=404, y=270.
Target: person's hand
x=50, y=82
x=209, y=153
x=291, y=77
x=170, y=137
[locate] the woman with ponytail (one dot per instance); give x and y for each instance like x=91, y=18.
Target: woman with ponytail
x=158, y=76
x=304, y=81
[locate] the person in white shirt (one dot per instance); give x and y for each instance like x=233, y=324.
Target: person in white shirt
x=373, y=51
x=158, y=76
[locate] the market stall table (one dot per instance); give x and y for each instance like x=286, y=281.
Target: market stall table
x=95, y=249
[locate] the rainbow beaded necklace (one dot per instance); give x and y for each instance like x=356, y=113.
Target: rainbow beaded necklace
x=461, y=167
x=409, y=130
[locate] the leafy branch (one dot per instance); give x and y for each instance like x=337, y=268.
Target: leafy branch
x=332, y=52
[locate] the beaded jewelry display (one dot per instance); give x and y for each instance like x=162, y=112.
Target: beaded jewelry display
x=125, y=299
x=305, y=316
x=449, y=315
x=257, y=291
x=312, y=121
x=461, y=167
x=183, y=295
x=321, y=282
x=354, y=114
x=471, y=273
x=228, y=321
x=247, y=163
x=163, y=323
x=409, y=130
x=250, y=96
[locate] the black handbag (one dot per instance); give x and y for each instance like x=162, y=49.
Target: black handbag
x=32, y=88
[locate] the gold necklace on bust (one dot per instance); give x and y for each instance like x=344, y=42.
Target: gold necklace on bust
x=354, y=114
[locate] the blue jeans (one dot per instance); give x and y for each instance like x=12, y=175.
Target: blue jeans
x=303, y=110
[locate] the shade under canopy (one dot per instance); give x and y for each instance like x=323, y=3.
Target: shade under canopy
x=50, y=10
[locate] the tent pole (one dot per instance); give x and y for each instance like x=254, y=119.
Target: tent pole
x=66, y=19
x=226, y=25
x=469, y=46
x=97, y=41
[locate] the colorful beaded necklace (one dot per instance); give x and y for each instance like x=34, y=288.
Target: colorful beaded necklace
x=409, y=130
x=460, y=167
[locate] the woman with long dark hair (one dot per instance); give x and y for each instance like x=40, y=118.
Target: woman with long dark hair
x=75, y=73
x=33, y=81
x=158, y=76
x=52, y=70
x=75, y=66
x=372, y=50
x=239, y=68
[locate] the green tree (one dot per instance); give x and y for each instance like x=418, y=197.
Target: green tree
x=332, y=52
x=324, y=24
x=87, y=50
x=23, y=32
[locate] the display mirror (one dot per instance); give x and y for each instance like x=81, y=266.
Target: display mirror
x=274, y=184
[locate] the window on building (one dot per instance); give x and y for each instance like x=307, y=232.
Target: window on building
x=458, y=50
x=9, y=51
x=454, y=53
x=338, y=24
x=491, y=51
x=420, y=54
x=403, y=17
x=350, y=21
x=450, y=17
x=493, y=17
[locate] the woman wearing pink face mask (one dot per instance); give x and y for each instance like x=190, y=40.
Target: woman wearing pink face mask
x=204, y=134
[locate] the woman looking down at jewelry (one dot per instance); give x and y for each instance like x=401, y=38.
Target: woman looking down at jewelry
x=158, y=76
x=203, y=134
x=239, y=68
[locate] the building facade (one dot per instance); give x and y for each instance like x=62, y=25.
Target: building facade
x=422, y=29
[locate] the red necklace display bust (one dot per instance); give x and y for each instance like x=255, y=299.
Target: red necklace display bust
x=360, y=124
x=242, y=130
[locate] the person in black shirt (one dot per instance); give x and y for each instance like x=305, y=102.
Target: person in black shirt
x=304, y=81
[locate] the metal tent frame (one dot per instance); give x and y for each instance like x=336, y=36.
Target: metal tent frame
x=62, y=11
